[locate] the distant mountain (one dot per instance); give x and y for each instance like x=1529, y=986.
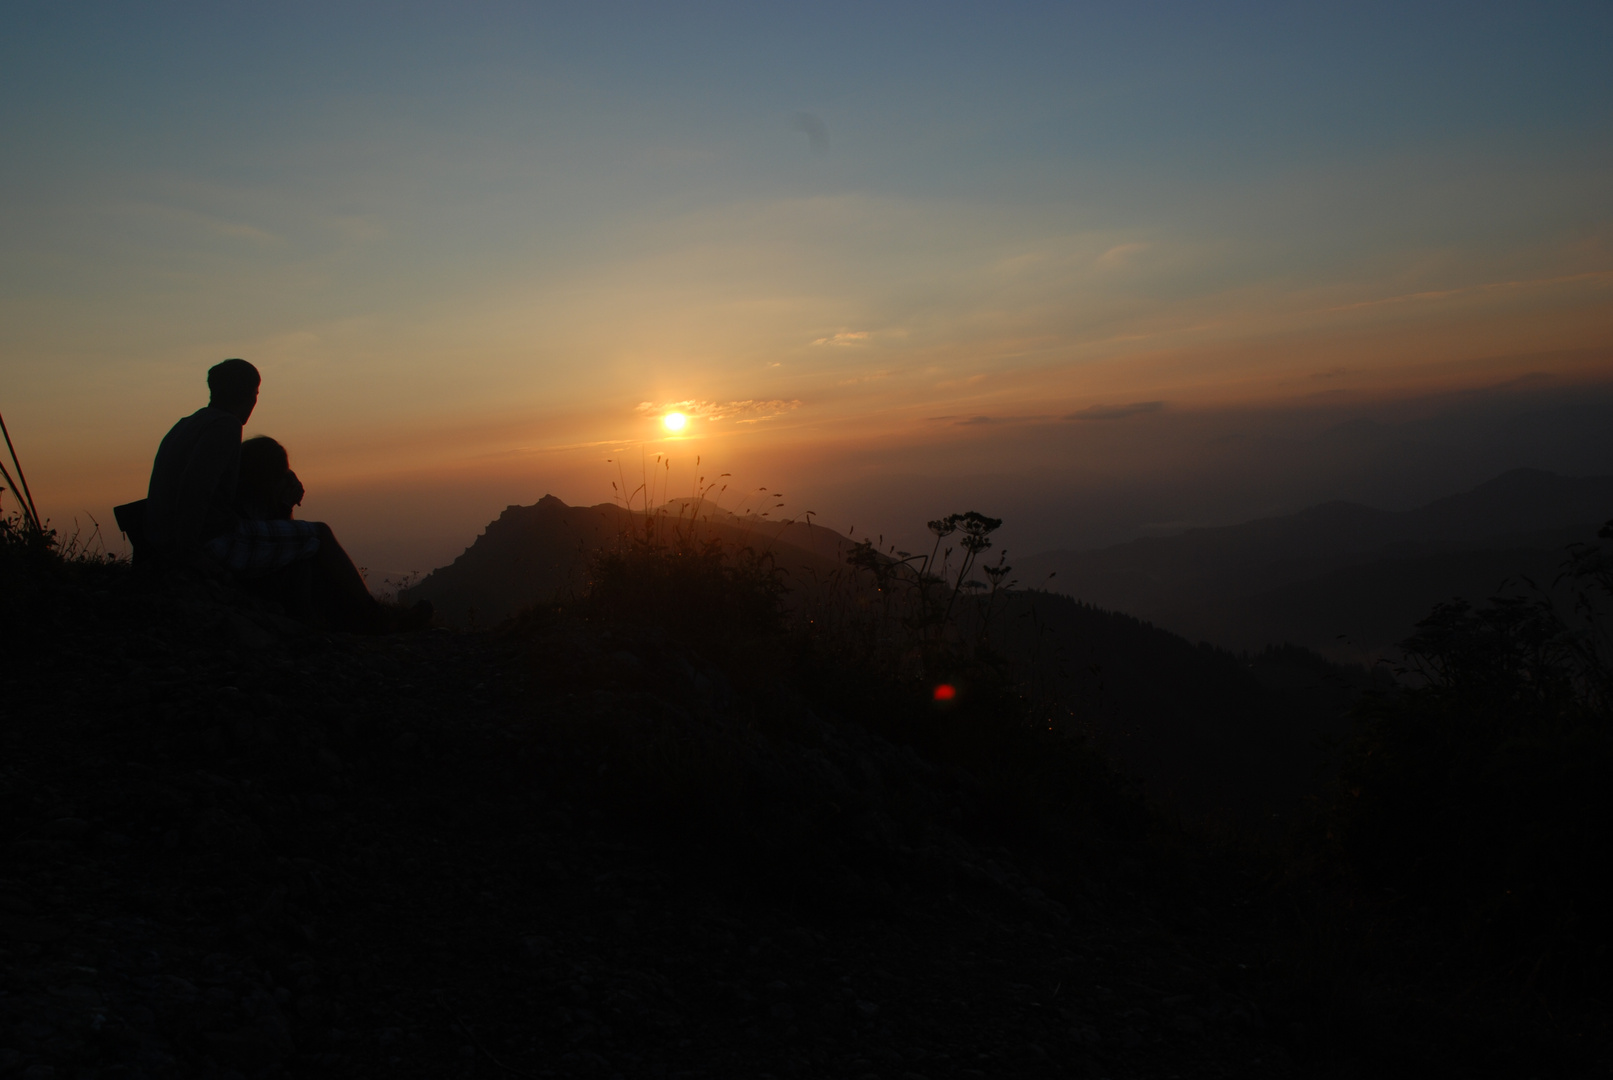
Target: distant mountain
x=536, y=553
x=1345, y=579
x=1359, y=611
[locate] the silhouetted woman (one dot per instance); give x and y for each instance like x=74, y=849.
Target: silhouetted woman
x=326, y=585
x=268, y=490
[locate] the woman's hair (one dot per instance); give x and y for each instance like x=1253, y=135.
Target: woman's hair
x=263, y=463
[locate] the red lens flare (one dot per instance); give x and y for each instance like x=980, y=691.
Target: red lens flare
x=946, y=692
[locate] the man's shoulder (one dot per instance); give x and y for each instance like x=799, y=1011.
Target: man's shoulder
x=211, y=417
x=205, y=420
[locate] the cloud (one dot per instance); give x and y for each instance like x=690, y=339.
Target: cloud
x=1597, y=277
x=872, y=376
x=241, y=231
x=1116, y=412
x=817, y=132
x=1121, y=253
x=212, y=224
x=749, y=411
x=983, y=421
x=845, y=337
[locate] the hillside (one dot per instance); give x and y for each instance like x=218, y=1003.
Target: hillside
x=1209, y=733
x=1335, y=571
x=534, y=554
x=1215, y=709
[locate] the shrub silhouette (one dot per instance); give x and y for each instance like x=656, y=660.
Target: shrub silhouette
x=686, y=584
x=866, y=648
x=34, y=558
x=920, y=617
x=1481, y=790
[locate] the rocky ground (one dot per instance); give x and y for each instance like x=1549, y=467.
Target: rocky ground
x=238, y=848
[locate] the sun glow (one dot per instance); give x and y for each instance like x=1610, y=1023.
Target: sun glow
x=675, y=421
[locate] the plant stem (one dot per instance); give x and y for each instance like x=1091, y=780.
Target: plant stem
x=32, y=510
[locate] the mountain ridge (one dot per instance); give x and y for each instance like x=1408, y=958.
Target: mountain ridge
x=1219, y=582
x=533, y=554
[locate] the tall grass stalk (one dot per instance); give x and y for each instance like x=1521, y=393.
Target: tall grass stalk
x=25, y=497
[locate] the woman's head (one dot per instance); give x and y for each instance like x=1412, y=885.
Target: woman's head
x=263, y=463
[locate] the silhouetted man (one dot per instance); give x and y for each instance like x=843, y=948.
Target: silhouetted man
x=191, y=500
x=192, y=518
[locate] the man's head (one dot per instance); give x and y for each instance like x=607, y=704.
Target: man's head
x=234, y=386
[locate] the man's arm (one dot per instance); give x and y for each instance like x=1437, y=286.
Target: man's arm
x=206, y=471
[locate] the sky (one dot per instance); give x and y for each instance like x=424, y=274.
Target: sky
x=1100, y=270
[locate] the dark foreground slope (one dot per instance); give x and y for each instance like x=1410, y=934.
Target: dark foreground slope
x=574, y=847
x=236, y=848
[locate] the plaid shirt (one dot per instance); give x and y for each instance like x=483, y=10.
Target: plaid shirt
x=259, y=547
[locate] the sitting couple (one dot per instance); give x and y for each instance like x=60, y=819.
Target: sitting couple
x=220, y=505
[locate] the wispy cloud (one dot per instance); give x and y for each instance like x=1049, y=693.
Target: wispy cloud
x=867, y=377
x=749, y=411
x=241, y=231
x=845, y=337
x=191, y=217
x=1597, y=276
x=816, y=131
x=1116, y=412
x=983, y=421
x=1120, y=253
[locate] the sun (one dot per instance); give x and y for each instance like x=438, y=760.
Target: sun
x=675, y=421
